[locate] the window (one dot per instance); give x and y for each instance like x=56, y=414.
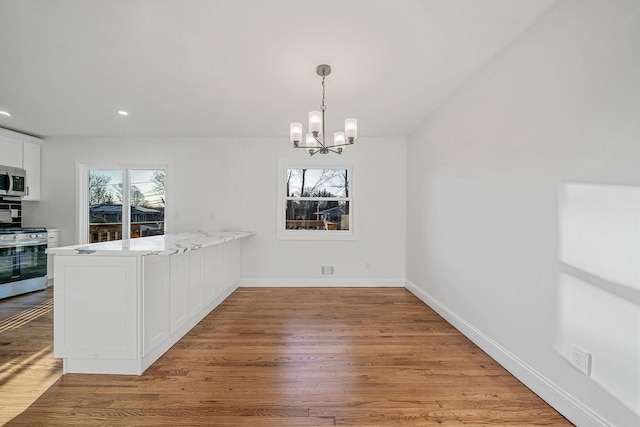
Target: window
x=121, y=203
x=316, y=202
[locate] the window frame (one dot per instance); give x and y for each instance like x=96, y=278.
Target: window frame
x=82, y=193
x=283, y=234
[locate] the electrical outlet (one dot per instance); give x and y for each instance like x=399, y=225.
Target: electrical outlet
x=580, y=359
x=327, y=270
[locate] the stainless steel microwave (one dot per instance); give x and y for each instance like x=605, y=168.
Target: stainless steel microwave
x=12, y=181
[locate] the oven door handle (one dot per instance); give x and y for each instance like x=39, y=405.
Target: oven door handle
x=22, y=244
x=31, y=244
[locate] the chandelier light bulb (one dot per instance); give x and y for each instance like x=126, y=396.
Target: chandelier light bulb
x=351, y=129
x=311, y=143
x=295, y=130
x=338, y=138
x=315, y=122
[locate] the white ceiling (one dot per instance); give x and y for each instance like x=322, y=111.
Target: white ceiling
x=241, y=67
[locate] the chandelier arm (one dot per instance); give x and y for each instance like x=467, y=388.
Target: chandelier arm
x=346, y=144
x=308, y=146
x=340, y=145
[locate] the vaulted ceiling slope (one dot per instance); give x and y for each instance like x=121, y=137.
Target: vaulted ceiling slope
x=241, y=67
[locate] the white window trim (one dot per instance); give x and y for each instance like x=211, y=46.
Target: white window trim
x=283, y=234
x=82, y=194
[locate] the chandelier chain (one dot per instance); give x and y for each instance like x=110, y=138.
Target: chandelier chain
x=323, y=107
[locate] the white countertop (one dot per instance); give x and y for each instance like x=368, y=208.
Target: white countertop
x=167, y=244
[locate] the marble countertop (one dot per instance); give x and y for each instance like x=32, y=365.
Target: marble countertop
x=168, y=244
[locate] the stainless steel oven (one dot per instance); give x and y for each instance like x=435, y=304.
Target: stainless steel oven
x=23, y=260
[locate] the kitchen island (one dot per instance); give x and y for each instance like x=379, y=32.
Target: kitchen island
x=120, y=305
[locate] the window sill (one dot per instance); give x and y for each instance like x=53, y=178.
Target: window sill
x=315, y=235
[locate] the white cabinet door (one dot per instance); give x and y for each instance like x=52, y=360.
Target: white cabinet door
x=31, y=163
x=95, y=307
x=196, y=300
x=53, y=241
x=221, y=269
x=179, y=306
x=231, y=267
x=155, y=301
x=210, y=279
x=234, y=261
x=10, y=151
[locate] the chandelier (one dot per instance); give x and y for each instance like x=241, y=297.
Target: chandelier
x=315, y=139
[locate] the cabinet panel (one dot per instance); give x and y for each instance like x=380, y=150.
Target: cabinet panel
x=195, y=281
x=10, y=151
x=179, y=305
x=53, y=237
x=234, y=262
x=31, y=163
x=223, y=266
x=209, y=279
x=155, y=307
x=231, y=268
x=95, y=307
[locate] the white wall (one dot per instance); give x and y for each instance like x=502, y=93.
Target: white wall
x=380, y=201
x=197, y=183
x=523, y=213
x=230, y=183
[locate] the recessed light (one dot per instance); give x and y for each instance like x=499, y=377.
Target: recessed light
x=123, y=113
x=4, y=113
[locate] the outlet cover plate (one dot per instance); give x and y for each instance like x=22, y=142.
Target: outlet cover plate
x=327, y=270
x=580, y=359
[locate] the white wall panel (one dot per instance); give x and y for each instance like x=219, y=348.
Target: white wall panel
x=522, y=204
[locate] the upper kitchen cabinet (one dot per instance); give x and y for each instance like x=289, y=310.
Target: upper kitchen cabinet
x=10, y=151
x=22, y=151
x=31, y=163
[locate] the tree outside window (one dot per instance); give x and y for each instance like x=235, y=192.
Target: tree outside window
x=317, y=199
x=144, y=202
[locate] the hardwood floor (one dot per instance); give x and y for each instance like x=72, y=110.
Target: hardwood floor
x=305, y=357
x=13, y=306
x=27, y=366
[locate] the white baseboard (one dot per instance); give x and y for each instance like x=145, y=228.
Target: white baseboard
x=322, y=282
x=563, y=402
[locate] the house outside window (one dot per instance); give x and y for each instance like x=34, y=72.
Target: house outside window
x=316, y=202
